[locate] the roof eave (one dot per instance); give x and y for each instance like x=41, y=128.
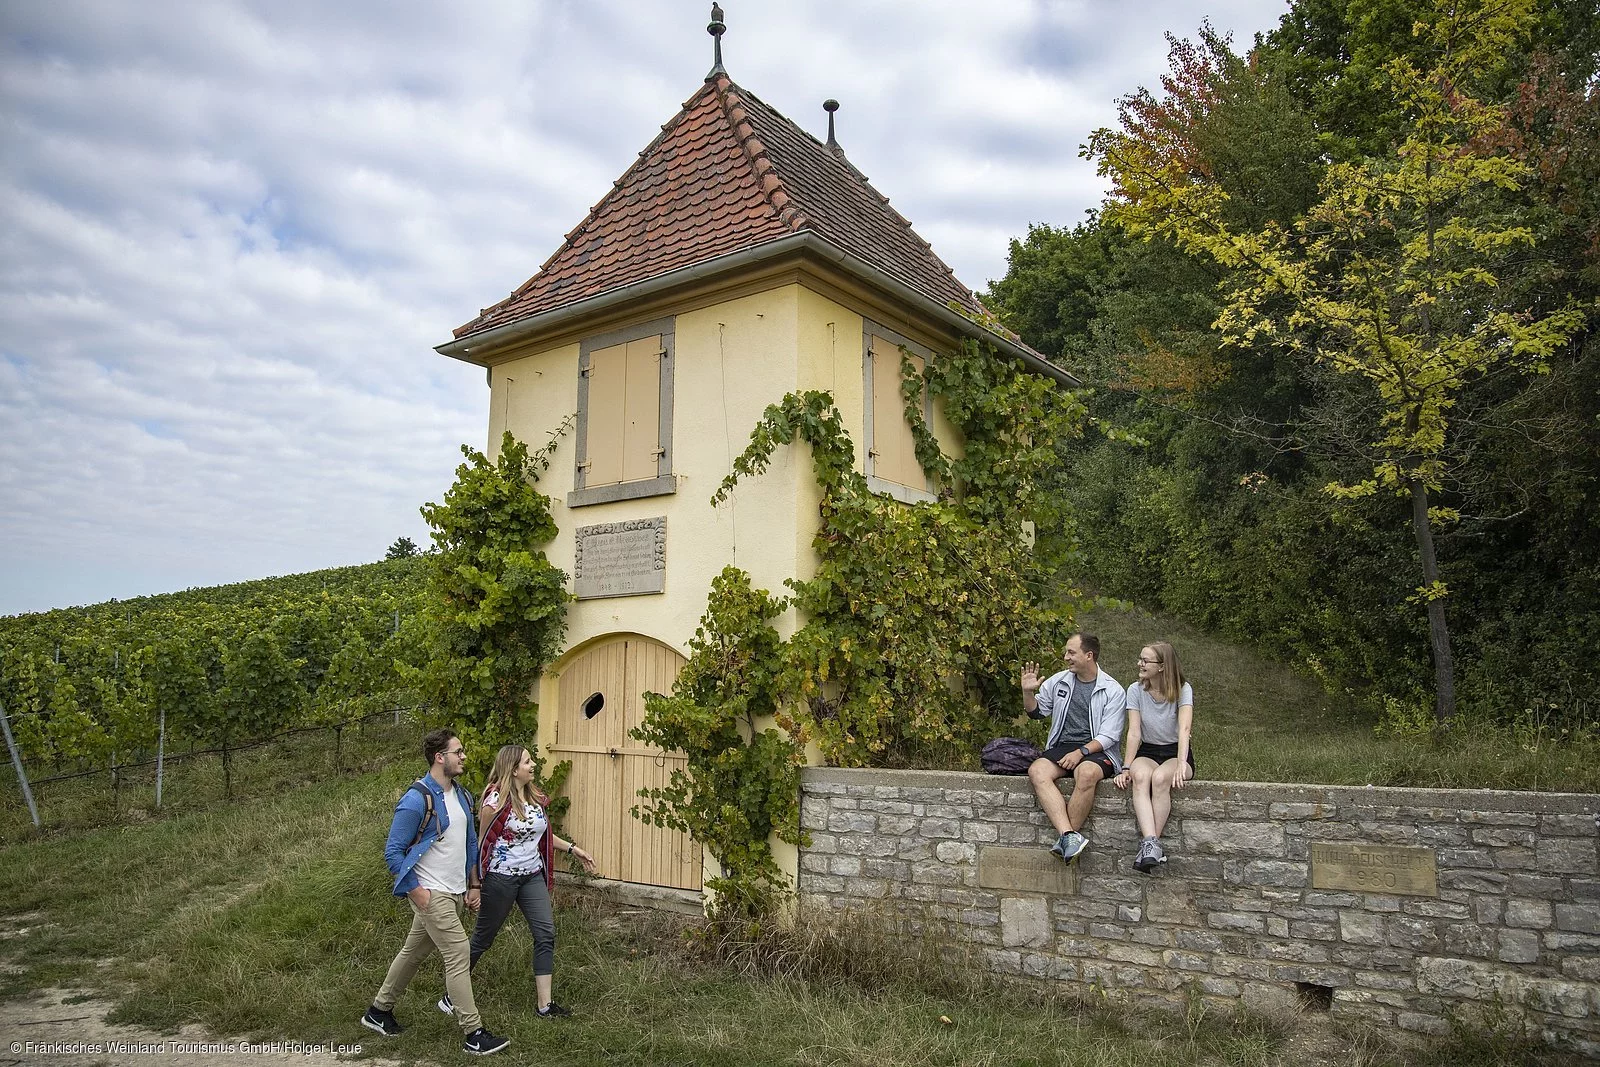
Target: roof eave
x=477, y=348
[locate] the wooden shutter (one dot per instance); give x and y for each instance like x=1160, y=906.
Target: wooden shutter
x=605, y=415
x=641, y=428
x=894, y=450
x=623, y=435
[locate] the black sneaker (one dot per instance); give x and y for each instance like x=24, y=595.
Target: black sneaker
x=445, y=1006
x=552, y=1010
x=482, y=1043
x=382, y=1020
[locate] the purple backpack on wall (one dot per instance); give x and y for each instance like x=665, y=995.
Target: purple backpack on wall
x=1009, y=755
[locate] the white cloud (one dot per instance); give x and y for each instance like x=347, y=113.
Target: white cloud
x=232, y=232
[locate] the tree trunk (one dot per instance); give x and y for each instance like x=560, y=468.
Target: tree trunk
x=1444, y=669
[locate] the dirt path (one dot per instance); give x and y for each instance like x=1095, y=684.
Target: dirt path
x=67, y=1028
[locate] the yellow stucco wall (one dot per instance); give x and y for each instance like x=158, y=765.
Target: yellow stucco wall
x=731, y=360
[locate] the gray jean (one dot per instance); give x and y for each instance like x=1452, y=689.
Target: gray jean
x=528, y=892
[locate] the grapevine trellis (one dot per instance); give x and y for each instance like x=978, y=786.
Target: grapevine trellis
x=102, y=689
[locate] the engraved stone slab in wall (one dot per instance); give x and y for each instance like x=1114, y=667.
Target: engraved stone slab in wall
x=1029, y=870
x=1398, y=869
x=620, y=558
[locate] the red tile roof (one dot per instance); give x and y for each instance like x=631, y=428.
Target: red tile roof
x=727, y=173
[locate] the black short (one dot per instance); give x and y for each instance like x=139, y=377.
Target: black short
x=1055, y=753
x=1161, y=753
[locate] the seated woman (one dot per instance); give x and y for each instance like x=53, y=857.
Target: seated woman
x=1160, y=720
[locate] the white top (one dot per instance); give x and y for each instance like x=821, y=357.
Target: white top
x=518, y=853
x=443, y=868
x=1158, y=721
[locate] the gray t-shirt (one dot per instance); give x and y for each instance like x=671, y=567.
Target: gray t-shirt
x=1075, y=722
x=1158, y=721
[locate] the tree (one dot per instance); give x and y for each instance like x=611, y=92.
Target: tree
x=496, y=606
x=741, y=782
x=1390, y=278
x=404, y=548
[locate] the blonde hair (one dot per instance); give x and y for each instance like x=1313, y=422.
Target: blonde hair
x=1168, y=684
x=503, y=782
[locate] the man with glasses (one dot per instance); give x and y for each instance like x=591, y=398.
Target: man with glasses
x=1086, y=708
x=433, y=850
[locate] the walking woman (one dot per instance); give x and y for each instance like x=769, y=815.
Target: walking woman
x=1160, y=720
x=516, y=857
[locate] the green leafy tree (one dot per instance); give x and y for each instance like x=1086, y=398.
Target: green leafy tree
x=496, y=607
x=403, y=548
x=1390, y=278
x=741, y=784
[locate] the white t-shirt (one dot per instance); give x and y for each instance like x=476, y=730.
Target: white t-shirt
x=518, y=851
x=443, y=868
x=1158, y=721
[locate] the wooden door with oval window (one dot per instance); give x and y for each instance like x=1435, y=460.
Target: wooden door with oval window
x=602, y=699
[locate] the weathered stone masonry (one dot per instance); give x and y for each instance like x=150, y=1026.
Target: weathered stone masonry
x=1513, y=917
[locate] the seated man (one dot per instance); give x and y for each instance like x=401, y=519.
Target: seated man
x=1086, y=708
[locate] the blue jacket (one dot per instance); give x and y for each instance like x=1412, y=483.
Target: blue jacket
x=402, y=856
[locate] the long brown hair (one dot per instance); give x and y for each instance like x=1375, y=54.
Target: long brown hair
x=503, y=782
x=1169, y=683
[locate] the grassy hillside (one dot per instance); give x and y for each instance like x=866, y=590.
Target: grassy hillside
x=273, y=919
x=1256, y=720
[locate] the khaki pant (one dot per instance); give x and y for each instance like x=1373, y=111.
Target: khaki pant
x=436, y=926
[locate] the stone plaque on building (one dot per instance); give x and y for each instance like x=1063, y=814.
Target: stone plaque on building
x=620, y=558
x=1399, y=869
x=1028, y=870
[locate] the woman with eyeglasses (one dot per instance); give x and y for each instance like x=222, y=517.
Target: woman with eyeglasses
x=1160, y=720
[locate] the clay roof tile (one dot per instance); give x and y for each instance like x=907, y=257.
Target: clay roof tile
x=727, y=173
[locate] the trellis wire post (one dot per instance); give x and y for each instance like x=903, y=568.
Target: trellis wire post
x=161, y=752
x=397, y=631
x=16, y=761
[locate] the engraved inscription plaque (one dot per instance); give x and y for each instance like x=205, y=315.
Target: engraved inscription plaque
x=620, y=558
x=1400, y=869
x=1029, y=870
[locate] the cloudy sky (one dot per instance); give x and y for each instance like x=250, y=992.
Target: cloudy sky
x=232, y=232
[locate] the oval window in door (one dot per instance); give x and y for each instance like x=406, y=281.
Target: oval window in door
x=592, y=706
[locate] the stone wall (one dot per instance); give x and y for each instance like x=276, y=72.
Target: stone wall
x=1453, y=900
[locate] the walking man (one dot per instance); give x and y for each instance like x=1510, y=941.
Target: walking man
x=1086, y=708
x=433, y=851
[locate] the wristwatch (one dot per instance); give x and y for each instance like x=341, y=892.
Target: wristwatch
x=1085, y=750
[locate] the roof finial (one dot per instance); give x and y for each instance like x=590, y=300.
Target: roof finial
x=830, y=106
x=716, y=29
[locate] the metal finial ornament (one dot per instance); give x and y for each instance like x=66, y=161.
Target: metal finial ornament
x=716, y=29
x=830, y=106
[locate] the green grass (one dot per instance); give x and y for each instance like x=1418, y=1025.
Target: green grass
x=1257, y=721
x=191, y=784
x=272, y=919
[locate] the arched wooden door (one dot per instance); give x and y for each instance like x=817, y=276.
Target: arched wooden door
x=602, y=698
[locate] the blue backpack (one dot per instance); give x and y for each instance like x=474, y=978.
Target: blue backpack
x=1009, y=755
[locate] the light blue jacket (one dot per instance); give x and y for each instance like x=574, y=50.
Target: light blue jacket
x=398, y=851
x=1108, y=710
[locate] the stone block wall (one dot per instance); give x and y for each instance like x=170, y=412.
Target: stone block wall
x=1510, y=917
